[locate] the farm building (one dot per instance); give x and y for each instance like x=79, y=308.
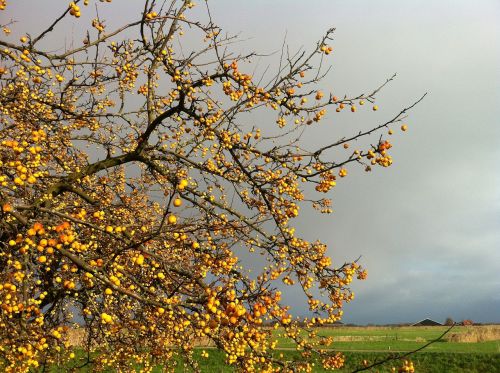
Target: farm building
x=427, y=322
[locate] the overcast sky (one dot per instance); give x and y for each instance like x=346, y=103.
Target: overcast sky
x=427, y=227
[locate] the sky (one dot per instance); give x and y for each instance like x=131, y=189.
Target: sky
x=427, y=228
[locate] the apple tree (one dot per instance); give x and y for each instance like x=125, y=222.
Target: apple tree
x=136, y=173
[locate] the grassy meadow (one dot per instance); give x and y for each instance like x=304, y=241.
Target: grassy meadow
x=409, y=338
x=472, y=349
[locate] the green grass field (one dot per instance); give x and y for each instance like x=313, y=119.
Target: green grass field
x=375, y=344
x=424, y=362
x=390, y=339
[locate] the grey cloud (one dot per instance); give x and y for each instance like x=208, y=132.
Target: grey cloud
x=428, y=227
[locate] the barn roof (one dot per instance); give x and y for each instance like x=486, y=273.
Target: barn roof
x=427, y=322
